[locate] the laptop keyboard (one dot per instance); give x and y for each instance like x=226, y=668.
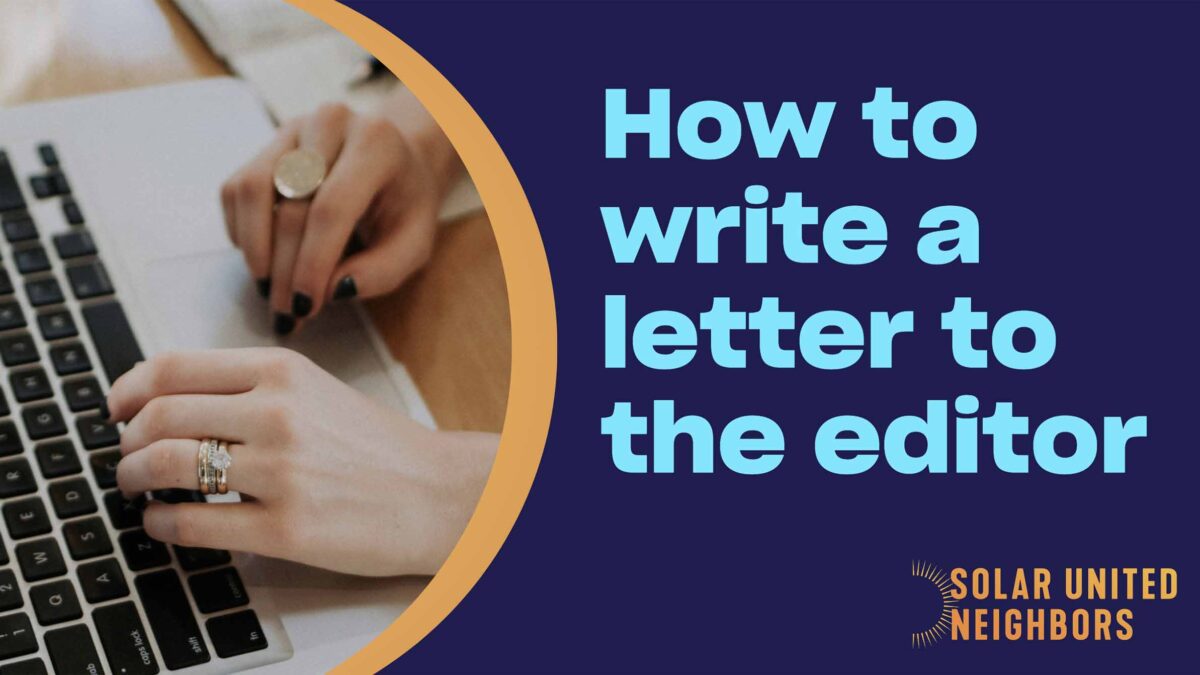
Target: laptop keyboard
x=83, y=588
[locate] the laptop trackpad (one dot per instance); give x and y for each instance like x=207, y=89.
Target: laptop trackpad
x=208, y=300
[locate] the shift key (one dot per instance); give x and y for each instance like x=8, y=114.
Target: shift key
x=125, y=641
x=171, y=619
x=115, y=343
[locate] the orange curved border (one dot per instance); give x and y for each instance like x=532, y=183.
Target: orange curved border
x=534, y=335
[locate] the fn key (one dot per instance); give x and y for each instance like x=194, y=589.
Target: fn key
x=236, y=633
x=115, y=343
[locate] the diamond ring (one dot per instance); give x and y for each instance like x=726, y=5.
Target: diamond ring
x=212, y=462
x=221, y=461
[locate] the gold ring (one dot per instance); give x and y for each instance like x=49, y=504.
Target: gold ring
x=202, y=468
x=221, y=461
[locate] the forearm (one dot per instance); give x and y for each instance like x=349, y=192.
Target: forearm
x=425, y=136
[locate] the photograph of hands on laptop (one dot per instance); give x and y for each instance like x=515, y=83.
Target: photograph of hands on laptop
x=255, y=341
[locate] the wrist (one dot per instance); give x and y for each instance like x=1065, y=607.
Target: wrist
x=462, y=462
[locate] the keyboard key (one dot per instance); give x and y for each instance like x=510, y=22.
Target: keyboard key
x=10, y=190
x=192, y=559
x=10, y=595
x=30, y=385
x=32, y=259
x=102, y=580
x=237, y=633
x=177, y=496
x=74, y=244
x=104, y=468
x=96, y=433
x=87, y=538
x=56, y=325
x=58, y=179
x=6, y=287
x=40, y=559
x=42, y=186
x=125, y=640
x=55, y=602
x=72, y=650
x=71, y=212
x=17, y=350
x=16, y=636
x=11, y=315
x=175, y=630
x=16, y=478
x=218, y=590
x=142, y=552
x=26, y=518
x=113, y=338
x=89, y=280
x=19, y=229
x=57, y=459
x=43, y=421
x=72, y=498
x=83, y=394
x=48, y=155
x=70, y=358
x=123, y=513
x=10, y=438
x=30, y=667
x=43, y=292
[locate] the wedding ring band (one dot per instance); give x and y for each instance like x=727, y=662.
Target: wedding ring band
x=202, y=466
x=299, y=173
x=221, y=462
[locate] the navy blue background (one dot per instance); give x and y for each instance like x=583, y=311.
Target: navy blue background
x=1083, y=178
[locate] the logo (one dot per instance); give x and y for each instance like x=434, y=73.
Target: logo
x=1014, y=604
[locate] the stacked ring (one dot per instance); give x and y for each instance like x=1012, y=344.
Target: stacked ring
x=220, y=462
x=212, y=463
x=203, y=469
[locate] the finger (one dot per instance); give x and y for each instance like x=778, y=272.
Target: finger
x=325, y=134
x=364, y=166
x=239, y=526
x=174, y=463
x=230, y=418
x=387, y=262
x=214, y=371
x=289, y=227
x=254, y=202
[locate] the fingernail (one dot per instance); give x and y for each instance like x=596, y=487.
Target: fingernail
x=301, y=305
x=264, y=286
x=104, y=413
x=346, y=288
x=284, y=323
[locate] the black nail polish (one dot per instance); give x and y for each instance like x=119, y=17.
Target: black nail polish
x=104, y=413
x=284, y=324
x=301, y=305
x=346, y=288
x=264, y=286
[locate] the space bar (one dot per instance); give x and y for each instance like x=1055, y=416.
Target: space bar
x=115, y=343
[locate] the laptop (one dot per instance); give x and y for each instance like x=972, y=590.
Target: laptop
x=114, y=249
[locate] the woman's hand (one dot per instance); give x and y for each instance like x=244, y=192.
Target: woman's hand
x=336, y=480
x=381, y=182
